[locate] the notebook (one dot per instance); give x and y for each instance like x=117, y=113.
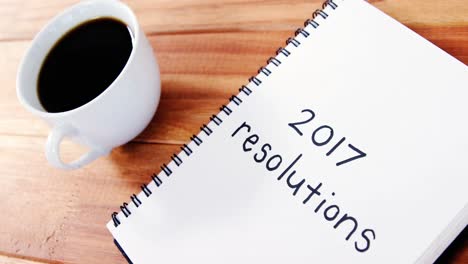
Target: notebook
x=349, y=146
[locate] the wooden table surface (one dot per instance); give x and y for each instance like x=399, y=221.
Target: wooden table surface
x=206, y=49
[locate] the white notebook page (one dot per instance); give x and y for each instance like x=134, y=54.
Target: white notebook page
x=391, y=94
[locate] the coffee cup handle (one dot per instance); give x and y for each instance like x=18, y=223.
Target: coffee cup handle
x=52, y=151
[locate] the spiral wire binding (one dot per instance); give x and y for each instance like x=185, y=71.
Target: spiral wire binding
x=176, y=159
x=135, y=200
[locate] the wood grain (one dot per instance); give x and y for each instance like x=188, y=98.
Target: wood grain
x=53, y=215
x=21, y=19
x=11, y=260
x=207, y=50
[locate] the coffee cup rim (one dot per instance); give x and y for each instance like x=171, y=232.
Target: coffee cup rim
x=20, y=87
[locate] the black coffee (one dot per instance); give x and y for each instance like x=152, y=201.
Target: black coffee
x=83, y=63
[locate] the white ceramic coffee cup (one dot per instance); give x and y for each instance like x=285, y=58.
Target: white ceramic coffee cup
x=114, y=117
